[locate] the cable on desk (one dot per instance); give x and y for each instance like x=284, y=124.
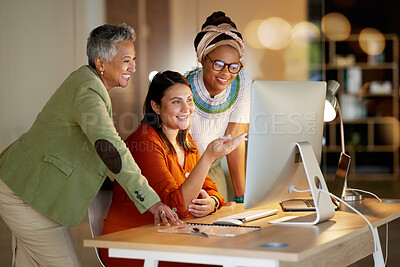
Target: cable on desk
x=387, y=224
x=292, y=188
x=375, y=238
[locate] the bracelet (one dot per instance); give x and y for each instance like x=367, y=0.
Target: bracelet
x=238, y=199
x=216, y=204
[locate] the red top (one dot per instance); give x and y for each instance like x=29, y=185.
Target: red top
x=164, y=174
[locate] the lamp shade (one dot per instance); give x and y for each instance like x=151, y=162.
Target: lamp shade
x=331, y=102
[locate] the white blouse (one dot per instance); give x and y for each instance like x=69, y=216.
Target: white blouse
x=212, y=115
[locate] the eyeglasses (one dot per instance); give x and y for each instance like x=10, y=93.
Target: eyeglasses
x=219, y=65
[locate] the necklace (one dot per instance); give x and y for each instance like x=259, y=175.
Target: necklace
x=214, y=107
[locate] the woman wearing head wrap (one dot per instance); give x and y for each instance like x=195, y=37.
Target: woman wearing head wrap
x=221, y=91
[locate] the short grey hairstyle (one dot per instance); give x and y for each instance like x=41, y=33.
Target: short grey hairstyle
x=101, y=41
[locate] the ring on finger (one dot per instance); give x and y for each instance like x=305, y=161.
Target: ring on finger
x=162, y=213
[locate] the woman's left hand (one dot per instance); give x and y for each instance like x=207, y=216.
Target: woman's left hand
x=202, y=206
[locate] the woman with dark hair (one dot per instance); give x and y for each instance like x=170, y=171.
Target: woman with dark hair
x=51, y=174
x=221, y=92
x=169, y=159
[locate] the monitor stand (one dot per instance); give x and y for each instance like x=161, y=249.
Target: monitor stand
x=323, y=204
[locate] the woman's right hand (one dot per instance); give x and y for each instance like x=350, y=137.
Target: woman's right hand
x=222, y=147
x=160, y=210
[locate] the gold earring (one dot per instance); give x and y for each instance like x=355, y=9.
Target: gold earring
x=102, y=72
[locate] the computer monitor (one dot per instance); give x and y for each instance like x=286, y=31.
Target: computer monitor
x=285, y=143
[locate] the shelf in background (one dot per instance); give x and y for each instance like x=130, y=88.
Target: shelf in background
x=369, y=101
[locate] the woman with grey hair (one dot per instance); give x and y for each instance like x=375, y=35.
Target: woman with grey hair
x=66, y=156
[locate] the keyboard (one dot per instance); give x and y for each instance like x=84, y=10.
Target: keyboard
x=309, y=202
x=247, y=216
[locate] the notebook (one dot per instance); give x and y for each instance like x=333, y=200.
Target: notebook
x=338, y=189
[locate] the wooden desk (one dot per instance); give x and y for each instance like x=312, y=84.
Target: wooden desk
x=343, y=240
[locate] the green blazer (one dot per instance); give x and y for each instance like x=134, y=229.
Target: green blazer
x=59, y=165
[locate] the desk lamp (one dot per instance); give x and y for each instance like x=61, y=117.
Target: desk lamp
x=331, y=108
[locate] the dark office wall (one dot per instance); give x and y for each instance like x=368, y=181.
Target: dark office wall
x=152, y=31
x=382, y=15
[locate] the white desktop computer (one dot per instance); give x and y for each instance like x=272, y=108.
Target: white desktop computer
x=284, y=147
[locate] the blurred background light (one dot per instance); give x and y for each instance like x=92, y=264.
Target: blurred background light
x=250, y=34
x=336, y=26
x=371, y=41
x=305, y=32
x=275, y=33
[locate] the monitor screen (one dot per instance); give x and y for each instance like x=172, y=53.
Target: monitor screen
x=283, y=113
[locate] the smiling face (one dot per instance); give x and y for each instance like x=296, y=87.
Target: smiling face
x=217, y=81
x=176, y=109
x=118, y=71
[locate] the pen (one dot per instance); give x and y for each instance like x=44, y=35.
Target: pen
x=230, y=138
x=198, y=231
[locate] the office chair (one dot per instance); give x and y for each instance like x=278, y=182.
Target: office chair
x=97, y=212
